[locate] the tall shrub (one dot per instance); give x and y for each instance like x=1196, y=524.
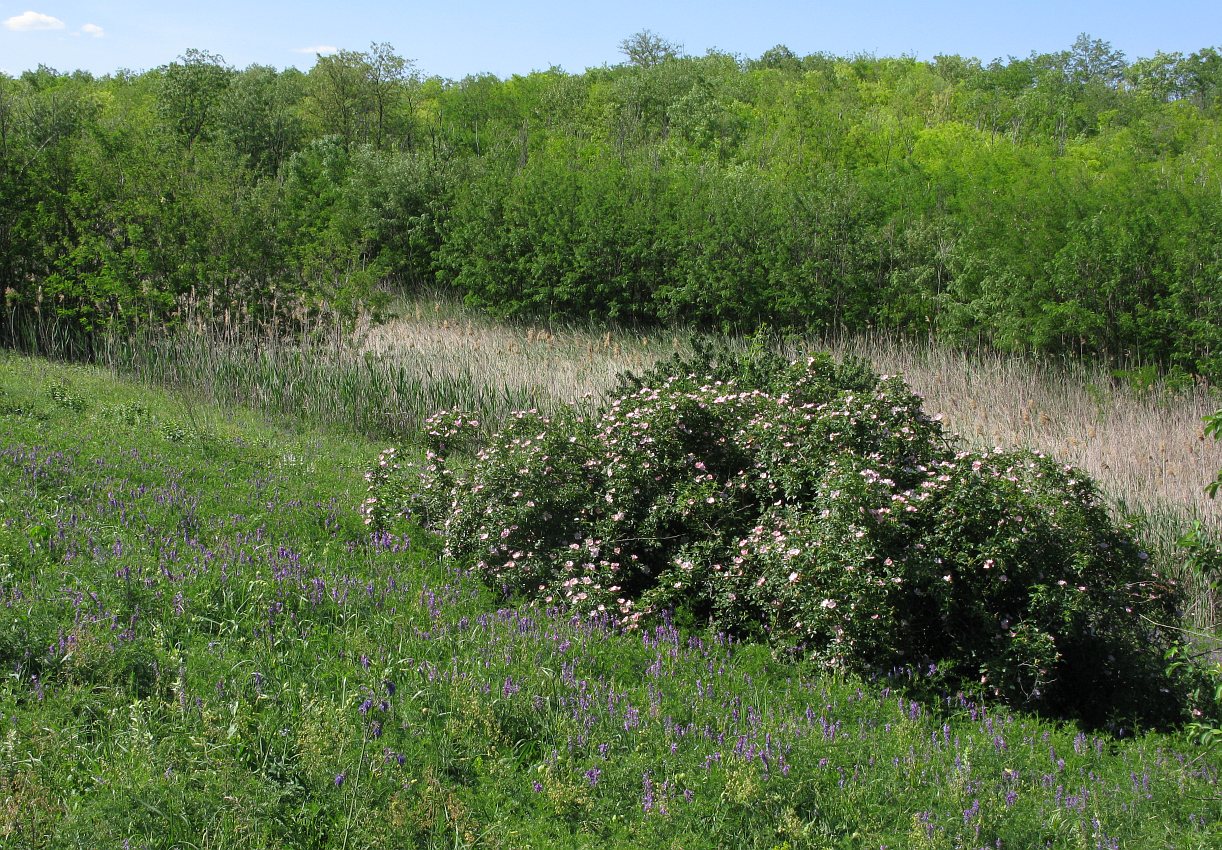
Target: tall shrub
x=816, y=506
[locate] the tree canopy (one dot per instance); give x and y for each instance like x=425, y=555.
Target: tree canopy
x=1063, y=203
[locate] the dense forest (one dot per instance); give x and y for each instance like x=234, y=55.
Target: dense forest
x=1062, y=203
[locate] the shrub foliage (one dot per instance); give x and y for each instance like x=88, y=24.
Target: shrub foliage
x=814, y=505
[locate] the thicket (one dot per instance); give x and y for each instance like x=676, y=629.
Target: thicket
x=812, y=505
x=1065, y=202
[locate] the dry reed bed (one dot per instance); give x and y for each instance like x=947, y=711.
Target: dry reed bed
x=563, y=365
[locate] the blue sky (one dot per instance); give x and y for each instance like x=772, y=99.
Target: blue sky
x=454, y=38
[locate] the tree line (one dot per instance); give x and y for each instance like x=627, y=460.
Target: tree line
x=1066, y=203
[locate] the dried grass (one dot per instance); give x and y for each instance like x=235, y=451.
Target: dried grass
x=563, y=365
x=1145, y=449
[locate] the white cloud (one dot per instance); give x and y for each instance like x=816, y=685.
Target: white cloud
x=93, y=30
x=318, y=48
x=28, y=21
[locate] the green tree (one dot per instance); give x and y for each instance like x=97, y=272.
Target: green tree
x=328, y=251
x=341, y=96
x=1202, y=72
x=1094, y=61
x=1160, y=77
x=191, y=90
x=12, y=184
x=259, y=116
x=646, y=48
x=779, y=58
x=392, y=80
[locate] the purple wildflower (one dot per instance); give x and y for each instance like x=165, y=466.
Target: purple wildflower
x=971, y=813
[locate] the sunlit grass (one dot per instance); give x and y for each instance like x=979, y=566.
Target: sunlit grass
x=204, y=647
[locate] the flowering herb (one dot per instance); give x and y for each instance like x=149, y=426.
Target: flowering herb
x=813, y=505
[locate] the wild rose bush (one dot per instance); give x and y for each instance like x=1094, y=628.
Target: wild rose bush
x=813, y=505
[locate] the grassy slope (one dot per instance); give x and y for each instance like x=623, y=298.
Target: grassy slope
x=202, y=648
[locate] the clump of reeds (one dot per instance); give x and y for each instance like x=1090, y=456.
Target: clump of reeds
x=554, y=365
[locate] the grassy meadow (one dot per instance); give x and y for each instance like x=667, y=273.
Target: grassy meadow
x=204, y=646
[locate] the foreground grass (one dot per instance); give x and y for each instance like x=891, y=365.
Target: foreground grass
x=203, y=648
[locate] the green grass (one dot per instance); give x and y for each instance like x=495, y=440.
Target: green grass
x=315, y=383
x=203, y=648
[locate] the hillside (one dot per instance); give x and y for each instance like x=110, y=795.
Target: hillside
x=206, y=647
